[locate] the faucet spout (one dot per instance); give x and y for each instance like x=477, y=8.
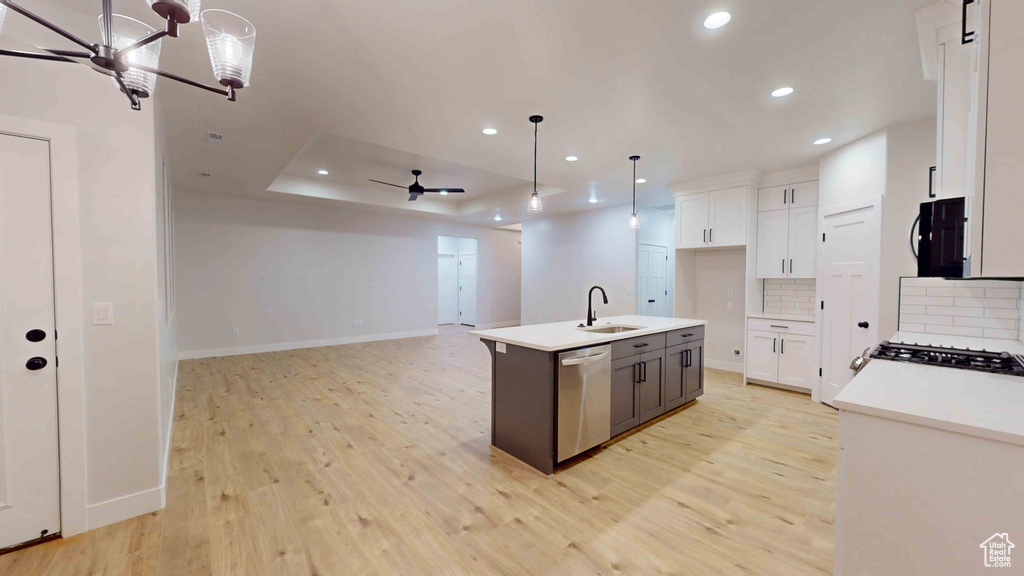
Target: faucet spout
x=591, y=313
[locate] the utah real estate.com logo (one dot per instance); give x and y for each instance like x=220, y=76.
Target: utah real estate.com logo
x=997, y=550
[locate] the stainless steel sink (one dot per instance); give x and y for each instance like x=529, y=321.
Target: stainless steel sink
x=611, y=329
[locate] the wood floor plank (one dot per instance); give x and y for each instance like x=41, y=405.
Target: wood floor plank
x=374, y=459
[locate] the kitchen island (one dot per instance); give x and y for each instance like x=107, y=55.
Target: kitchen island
x=562, y=388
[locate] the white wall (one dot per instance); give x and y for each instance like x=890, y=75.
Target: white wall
x=563, y=256
x=289, y=274
x=658, y=228
x=166, y=302
x=854, y=172
x=116, y=154
x=719, y=273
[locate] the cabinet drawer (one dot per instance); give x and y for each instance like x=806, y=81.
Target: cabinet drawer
x=683, y=336
x=623, y=348
x=782, y=326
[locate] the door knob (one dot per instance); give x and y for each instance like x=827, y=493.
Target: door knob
x=651, y=301
x=35, y=335
x=862, y=324
x=36, y=363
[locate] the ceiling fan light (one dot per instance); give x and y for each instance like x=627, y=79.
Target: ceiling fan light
x=231, y=41
x=125, y=32
x=184, y=11
x=634, y=221
x=535, y=204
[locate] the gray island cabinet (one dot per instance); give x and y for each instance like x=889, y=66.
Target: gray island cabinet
x=653, y=366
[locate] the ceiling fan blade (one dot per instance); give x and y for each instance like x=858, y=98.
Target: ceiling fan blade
x=412, y=197
x=389, y=184
x=448, y=190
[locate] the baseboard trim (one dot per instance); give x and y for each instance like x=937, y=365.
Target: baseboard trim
x=125, y=507
x=779, y=386
x=493, y=325
x=727, y=366
x=282, y=346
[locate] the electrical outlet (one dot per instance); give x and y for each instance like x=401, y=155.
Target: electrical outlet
x=728, y=294
x=357, y=323
x=234, y=332
x=736, y=352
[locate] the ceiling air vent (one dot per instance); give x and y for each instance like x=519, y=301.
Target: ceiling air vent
x=665, y=208
x=204, y=173
x=214, y=137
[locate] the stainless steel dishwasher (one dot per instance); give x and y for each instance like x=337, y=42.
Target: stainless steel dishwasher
x=584, y=399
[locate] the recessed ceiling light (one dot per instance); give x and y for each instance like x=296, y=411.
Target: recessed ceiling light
x=821, y=141
x=571, y=158
x=444, y=192
x=497, y=217
x=784, y=91
x=717, y=20
x=490, y=131
x=322, y=172
x=592, y=200
x=641, y=180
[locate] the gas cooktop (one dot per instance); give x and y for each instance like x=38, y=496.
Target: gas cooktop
x=965, y=359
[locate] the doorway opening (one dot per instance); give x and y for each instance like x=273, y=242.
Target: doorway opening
x=456, y=280
x=655, y=261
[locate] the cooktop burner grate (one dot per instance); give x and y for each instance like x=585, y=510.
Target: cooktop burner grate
x=965, y=359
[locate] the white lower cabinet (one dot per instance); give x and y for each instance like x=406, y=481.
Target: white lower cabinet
x=781, y=353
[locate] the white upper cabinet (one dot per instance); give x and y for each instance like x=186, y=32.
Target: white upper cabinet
x=692, y=218
x=786, y=234
x=712, y=219
x=995, y=165
x=953, y=65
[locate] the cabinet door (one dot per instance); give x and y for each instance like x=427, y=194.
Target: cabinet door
x=694, y=370
x=796, y=360
x=954, y=65
x=774, y=198
x=652, y=385
x=803, y=194
x=692, y=220
x=625, y=407
x=803, y=242
x=675, y=373
x=773, y=244
x=728, y=220
x=763, y=355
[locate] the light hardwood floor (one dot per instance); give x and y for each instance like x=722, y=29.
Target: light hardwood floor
x=374, y=459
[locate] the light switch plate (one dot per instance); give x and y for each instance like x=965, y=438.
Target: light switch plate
x=500, y=347
x=102, y=313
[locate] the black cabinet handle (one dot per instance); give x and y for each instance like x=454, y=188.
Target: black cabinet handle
x=785, y=196
x=636, y=373
x=687, y=335
x=792, y=195
x=783, y=265
x=862, y=324
x=790, y=265
x=704, y=236
x=650, y=301
x=711, y=235
x=643, y=371
x=782, y=347
x=965, y=36
x=774, y=342
x=931, y=178
x=36, y=363
x=780, y=326
x=640, y=345
x=689, y=358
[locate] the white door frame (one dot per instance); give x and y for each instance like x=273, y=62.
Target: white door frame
x=875, y=202
x=69, y=311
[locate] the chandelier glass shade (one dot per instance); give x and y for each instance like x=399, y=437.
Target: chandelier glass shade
x=231, y=41
x=3, y=14
x=126, y=31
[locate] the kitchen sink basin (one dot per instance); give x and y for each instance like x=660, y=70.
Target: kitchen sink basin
x=610, y=329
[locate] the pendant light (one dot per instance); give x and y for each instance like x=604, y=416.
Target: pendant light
x=634, y=221
x=535, y=204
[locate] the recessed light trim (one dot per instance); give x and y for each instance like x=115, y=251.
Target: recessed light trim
x=497, y=217
x=322, y=172
x=717, y=20
x=571, y=158
x=490, y=131
x=781, y=92
x=592, y=200
x=821, y=141
x=641, y=180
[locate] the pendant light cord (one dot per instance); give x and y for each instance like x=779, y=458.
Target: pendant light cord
x=535, y=126
x=634, y=186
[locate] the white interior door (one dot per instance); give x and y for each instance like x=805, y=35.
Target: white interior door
x=803, y=245
x=849, y=270
x=467, y=289
x=447, y=289
x=652, y=280
x=692, y=213
x=728, y=225
x=29, y=478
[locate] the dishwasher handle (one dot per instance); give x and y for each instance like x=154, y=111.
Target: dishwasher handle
x=583, y=360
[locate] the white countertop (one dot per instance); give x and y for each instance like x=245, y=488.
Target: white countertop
x=566, y=335
x=963, y=401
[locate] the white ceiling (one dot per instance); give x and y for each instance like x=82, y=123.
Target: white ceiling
x=402, y=82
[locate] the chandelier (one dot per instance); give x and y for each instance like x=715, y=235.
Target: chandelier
x=129, y=50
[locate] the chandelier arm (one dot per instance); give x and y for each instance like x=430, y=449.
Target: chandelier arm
x=132, y=97
x=108, y=23
x=229, y=91
x=34, y=56
x=42, y=22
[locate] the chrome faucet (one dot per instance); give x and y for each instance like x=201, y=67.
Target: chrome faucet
x=591, y=313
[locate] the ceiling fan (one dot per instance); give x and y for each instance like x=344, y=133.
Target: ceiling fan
x=416, y=189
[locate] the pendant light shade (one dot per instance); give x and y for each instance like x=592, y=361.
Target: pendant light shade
x=126, y=31
x=535, y=204
x=634, y=220
x=231, y=41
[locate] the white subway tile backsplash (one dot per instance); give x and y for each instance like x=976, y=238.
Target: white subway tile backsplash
x=790, y=296
x=977, y=308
